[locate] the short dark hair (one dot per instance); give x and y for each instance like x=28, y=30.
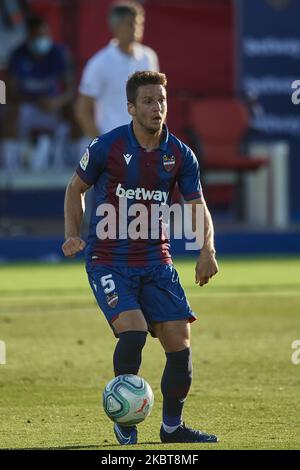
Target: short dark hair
x=143, y=78
x=35, y=21
x=121, y=9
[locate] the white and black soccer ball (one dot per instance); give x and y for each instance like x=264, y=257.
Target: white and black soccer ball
x=128, y=399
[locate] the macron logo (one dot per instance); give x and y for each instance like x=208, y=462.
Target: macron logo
x=142, y=194
x=127, y=158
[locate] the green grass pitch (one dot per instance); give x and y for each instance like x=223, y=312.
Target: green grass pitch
x=59, y=354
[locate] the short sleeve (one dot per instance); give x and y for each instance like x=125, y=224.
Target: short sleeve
x=92, y=162
x=151, y=59
x=189, y=177
x=154, y=62
x=91, y=81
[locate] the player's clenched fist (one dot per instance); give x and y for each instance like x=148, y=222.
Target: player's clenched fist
x=206, y=268
x=72, y=246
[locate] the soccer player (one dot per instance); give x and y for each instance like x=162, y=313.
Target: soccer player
x=40, y=92
x=134, y=280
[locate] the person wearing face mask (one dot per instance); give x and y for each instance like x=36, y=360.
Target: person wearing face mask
x=40, y=89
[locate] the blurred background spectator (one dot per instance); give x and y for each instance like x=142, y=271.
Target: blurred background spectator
x=230, y=66
x=40, y=90
x=101, y=104
x=12, y=27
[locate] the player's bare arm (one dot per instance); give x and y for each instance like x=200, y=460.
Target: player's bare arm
x=207, y=265
x=84, y=110
x=74, y=208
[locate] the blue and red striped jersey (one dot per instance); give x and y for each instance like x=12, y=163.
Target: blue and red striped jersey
x=119, y=168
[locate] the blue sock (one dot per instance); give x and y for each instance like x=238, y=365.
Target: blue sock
x=128, y=352
x=175, y=385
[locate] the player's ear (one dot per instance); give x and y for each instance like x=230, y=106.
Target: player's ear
x=131, y=108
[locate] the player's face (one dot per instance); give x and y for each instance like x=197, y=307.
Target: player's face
x=130, y=29
x=150, y=108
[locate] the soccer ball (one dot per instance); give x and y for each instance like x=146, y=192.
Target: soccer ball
x=128, y=399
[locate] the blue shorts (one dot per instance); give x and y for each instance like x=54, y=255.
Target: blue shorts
x=156, y=290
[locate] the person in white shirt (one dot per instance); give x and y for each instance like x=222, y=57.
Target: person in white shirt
x=101, y=104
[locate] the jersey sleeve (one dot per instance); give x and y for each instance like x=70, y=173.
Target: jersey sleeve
x=91, y=82
x=189, y=177
x=151, y=59
x=154, y=62
x=92, y=162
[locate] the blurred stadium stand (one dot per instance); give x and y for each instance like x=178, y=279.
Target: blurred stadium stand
x=205, y=49
x=218, y=126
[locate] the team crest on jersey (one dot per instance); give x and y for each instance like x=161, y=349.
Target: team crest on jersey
x=85, y=160
x=112, y=299
x=169, y=162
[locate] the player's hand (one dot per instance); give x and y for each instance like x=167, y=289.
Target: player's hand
x=72, y=246
x=206, y=267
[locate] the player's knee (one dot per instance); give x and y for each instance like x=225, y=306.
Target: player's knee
x=179, y=344
x=174, y=336
x=130, y=321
